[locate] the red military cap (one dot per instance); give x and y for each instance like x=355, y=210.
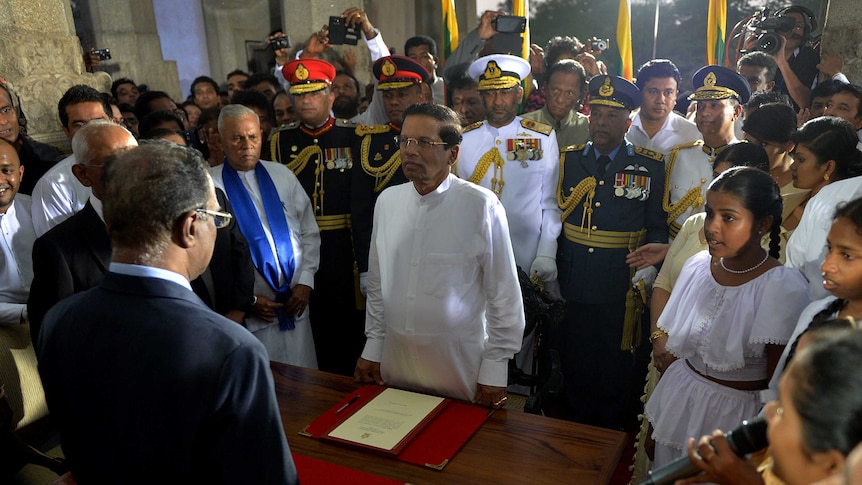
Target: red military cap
x=396, y=72
x=308, y=75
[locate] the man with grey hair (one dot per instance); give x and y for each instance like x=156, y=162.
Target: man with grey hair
x=275, y=215
x=143, y=380
x=445, y=313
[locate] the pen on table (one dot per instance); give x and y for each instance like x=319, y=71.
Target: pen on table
x=348, y=403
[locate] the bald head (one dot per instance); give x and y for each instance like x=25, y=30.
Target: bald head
x=11, y=172
x=94, y=143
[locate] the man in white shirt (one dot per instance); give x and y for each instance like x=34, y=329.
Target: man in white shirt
x=655, y=126
x=275, y=216
x=16, y=232
x=444, y=309
x=423, y=49
x=58, y=194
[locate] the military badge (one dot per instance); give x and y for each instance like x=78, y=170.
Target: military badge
x=632, y=183
x=338, y=158
x=524, y=150
x=301, y=73
x=389, y=68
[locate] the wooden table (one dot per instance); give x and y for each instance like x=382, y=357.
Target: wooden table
x=511, y=447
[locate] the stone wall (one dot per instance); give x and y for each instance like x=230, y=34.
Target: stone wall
x=842, y=35
x=42, y=59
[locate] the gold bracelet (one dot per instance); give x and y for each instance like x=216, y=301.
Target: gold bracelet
x=657, y=335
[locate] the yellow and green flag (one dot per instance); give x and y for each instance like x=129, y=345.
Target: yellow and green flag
x=624, y=41
x=450, y=28
x=521, y=8
x=716, y=29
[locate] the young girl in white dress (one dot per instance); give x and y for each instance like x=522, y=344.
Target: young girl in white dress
x=729, y=317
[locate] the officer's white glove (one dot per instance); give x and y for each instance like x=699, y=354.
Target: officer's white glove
x=363, y=283
x=647, y=274
x=546, y=268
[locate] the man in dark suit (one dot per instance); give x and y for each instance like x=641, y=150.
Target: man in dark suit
x=144, y=381
x=74, y=256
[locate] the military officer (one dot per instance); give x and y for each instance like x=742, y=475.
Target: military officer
x=610, y=196
x=400, y=82
x=516, y=158
x=319, y=150
x=720, y=93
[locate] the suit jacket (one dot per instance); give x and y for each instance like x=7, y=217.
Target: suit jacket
x=74, y=256
x=70, y=258
x=145, y=382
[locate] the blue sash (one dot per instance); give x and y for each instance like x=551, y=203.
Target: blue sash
x=265, y=261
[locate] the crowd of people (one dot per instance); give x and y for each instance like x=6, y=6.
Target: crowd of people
x=378, y=232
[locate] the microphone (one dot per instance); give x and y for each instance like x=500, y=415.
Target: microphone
x=749, y=437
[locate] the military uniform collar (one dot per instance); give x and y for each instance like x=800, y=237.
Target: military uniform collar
x=319, y=130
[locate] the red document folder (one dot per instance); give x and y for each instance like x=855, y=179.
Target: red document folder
x=317, y=472
x=435, y=442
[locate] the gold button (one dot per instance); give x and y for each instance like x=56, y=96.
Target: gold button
x=595, y=228
x=590, y=250
x=702, y=181
x=601, y=182
x=598, y=204
x=315, y=141
x=676, y=186
x=499, y=142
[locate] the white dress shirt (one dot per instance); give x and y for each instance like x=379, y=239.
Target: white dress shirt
x=529, y=194
x=16, y=272
x=675, y=131
x=57, y=196
x=295, y=347
x=806, y=248
x=444, y=308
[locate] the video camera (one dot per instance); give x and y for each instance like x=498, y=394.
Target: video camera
x=768, y=30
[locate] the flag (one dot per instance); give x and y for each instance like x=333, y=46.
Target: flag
x=521, y=8
x=624, y=41
x=716, y=29
x=450, y=28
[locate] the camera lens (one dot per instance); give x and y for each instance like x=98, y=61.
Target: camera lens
x=769, y=43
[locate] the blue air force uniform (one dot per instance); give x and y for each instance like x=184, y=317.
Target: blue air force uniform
x=607, y=212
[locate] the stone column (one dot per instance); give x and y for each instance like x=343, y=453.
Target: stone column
x=43, y=59
x=128, y=28
x=842, y=35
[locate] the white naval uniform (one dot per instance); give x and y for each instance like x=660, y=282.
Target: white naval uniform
x=688, y=169
x=529, y=190
x=295, y=347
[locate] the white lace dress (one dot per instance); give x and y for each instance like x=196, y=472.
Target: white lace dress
x=722, y=331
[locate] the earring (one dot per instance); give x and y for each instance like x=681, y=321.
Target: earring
x=826, y=177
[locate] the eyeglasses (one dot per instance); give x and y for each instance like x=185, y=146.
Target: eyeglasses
x=760, y=142
x=220, y=219
x=424, y=143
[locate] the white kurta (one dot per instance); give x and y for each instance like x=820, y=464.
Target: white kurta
x=675, y=131
x=295, y=347
x=57, y=196
x=444, y=307
x=16, y=271
x=806, y=248
x=529, y=193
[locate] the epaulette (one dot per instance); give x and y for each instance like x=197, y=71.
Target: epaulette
x=363, y=130
x=537, y=126
x=573, y=148
x=290, y=126
x=472, y=127
x=649, y=153
x=346, y=123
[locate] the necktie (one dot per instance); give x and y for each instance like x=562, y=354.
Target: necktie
x=603, y=163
